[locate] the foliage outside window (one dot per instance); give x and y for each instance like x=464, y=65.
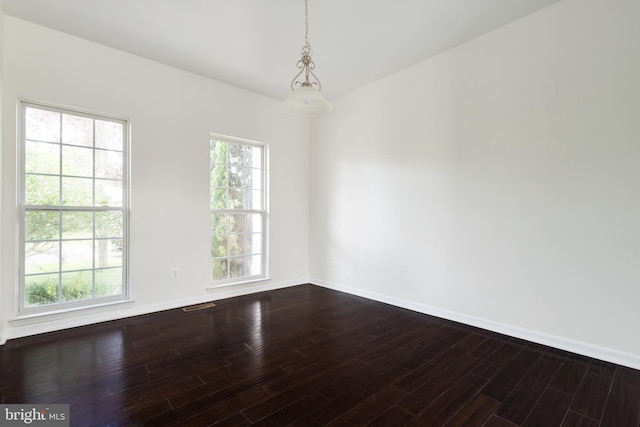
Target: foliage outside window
x=238, y=210
x=74, y=208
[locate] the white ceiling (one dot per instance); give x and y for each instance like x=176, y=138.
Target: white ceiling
x=255, y=44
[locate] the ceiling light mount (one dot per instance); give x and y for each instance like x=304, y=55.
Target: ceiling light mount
x=305, y=98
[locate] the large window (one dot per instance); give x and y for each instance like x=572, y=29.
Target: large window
x=74, y=208
x=238, y=210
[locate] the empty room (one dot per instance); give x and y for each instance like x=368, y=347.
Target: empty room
x=320, y=212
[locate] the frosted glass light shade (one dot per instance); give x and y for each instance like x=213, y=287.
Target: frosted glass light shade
x=306, y=101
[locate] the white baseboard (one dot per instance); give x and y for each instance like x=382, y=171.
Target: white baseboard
x=76, y=319
x=567, y=344
x=55, y=322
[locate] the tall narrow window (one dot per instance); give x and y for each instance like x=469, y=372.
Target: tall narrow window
x=238, y=210
x=74, y=208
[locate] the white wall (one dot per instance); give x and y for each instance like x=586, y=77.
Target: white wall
x=2, y=339
x=172, y=113
x=497, y=184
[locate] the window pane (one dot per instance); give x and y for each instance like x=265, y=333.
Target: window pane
x=256, y=200
x=237, y=223
x=220, y=269
x=219, y=245
x=108, y=164
x=236, y=198
x=236, y=154
x=219, y=197
x=256, y=157
x=108, y=253
x=109, y=135
x=77, y=130
x=77, y=255
x=42, y=157
x=77, y=161
x=77, y=225
x=42, y=190
x=256, y=179
x=219, y=173
x=218, y=152
x=109, y=224
x=236, y=244
x=41, y=257
x=220, y=223
x=41, y=289
x=236, y=267
x=42, y=125
x=237, y=177
x=255, y=223
x=77, y=191
x=254, y=243
x=109, y=282
x=255, y=266
x=109, y=192
x=42, y=225
x=77, y=285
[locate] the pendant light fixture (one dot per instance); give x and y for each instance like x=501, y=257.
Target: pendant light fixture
x=305, y=98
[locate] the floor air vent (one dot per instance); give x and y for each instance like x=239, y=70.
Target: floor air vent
x=198, y=307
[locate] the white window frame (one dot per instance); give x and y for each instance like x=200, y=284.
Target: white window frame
x=264, y=212
x=62, y=306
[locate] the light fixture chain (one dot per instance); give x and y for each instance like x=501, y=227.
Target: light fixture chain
x=306, y=22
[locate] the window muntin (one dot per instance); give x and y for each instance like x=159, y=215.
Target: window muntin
x=74, y=208
x=238, y=210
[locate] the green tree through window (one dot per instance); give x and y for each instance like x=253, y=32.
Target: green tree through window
x=238, y=214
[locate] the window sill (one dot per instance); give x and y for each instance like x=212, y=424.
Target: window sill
x=244, y=282
x=32, y=318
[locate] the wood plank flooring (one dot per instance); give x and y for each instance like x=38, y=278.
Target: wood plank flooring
x=309, y=356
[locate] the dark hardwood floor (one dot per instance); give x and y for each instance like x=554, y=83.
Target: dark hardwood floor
x=309, y=356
